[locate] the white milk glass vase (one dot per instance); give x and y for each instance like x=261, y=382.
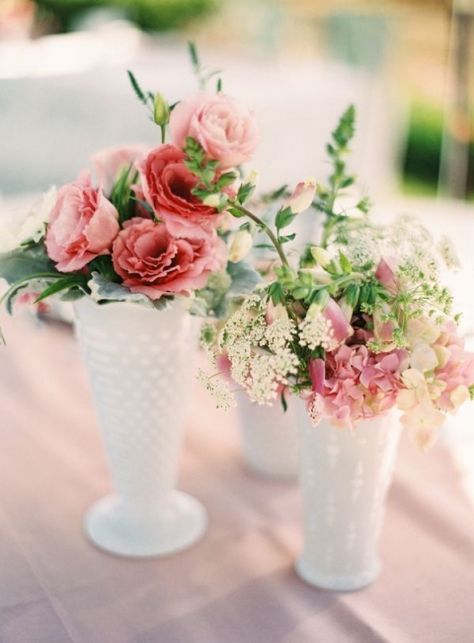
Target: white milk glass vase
x=344, y=478
x=140, y=365
x=269, y=438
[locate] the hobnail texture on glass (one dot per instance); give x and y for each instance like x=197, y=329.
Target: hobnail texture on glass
x=141, y=368
x=344, y=478
x=269, y=438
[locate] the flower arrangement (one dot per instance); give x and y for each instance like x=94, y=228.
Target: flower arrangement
x=355, y=324
x=133, y=226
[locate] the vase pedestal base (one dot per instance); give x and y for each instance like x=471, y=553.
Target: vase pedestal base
x=336, y=582
x=116, y=528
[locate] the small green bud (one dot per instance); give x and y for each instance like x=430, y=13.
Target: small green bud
x=161, y=110
x=300, y=292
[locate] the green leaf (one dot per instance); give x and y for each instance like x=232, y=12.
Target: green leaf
x=345, y=263
x=276, y=194
x=245, y=190
x=219, y=85
x=284, y=403
x=345, y=129
x=244, y=278
x=351, y=295
x=288, y=237
x=276, y=292
x=103, y=290
x=283, y=218
x=64, y=283
x=140, y=94
x=320, y=297
x=22, y=263
x=236, y=213
x=193, y=55
x=347, y=181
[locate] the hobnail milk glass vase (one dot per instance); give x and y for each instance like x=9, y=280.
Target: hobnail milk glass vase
x=269, y=438
x=344, y=478
x=140, y=364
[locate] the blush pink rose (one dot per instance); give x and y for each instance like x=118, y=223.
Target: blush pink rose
x=108, y=163
x=225, y=129
x=153, y=262
x=167, y=186
x=82, y=225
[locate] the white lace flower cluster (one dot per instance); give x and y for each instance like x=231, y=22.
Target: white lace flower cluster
x=258, y=348
x=315, y=330
x=218, y=388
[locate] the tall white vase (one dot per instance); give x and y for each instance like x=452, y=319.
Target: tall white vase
x=140, y=364
x=344, y=478
x=269, y=438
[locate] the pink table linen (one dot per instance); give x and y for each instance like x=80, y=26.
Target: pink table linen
x=237, y=584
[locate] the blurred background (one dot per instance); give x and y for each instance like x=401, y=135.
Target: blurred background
x=408, y=65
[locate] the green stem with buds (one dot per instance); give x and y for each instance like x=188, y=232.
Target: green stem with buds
x=271, y=235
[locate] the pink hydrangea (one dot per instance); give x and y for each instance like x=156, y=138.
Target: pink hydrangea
x=355, y=383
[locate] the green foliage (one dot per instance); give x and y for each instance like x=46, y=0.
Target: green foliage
x=284, y=217
x=105, y=291
x=423, y=150
x=140, y=94
x=150, y=15
x=73, y=281
x=243, y=278
x=22, y=263
x=121, y=195
x=210, y=184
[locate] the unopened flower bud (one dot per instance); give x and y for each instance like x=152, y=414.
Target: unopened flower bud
x=161, y=110
x=302, y=196
x=212, y=200
x=240, y=246
x=320, y=255
x=252, y=177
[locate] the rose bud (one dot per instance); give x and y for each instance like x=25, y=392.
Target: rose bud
x=161, y=110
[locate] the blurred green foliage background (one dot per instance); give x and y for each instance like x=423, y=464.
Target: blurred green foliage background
x=149, y=15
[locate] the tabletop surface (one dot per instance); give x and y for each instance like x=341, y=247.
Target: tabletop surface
x=237, y=584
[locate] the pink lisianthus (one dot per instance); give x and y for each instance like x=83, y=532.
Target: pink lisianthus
x=224, y=128
x=356, y=383
x=82, y=225
x=167, y=186
x=153, y=262
x=108, y=163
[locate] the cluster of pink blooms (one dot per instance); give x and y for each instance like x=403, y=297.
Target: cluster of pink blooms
x=176, y=251
x=355, y=383
x=428, y=379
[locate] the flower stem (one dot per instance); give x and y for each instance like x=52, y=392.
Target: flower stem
x=264, y=227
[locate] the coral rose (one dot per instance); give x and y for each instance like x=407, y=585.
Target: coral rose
x=153, y=262
x=82, y=225
x=225, y=129
x=167, y=185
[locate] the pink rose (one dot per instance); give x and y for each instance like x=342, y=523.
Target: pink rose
x=109, y=162
x=82, y=225
x=153, y=262
x=167, y=185
x=226, y=130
